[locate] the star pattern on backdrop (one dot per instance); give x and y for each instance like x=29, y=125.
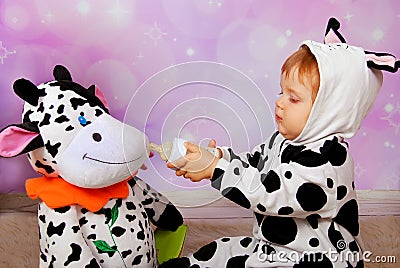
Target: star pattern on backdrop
x=4, y=53
x=393, y=117
x=155, y=33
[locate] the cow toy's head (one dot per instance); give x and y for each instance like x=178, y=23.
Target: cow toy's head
x=67, y=132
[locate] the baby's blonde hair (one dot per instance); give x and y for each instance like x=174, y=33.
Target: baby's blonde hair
x=307, y=66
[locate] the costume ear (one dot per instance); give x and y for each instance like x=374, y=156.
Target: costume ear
x=28, y=91
x=382, y=61
x=19, y=139
x=61, y=73
x=332, y=34
x=99, y=94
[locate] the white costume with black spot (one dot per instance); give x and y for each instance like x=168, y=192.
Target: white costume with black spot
x=302, y=190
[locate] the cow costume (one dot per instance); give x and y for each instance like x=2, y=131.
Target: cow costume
x=94, y=211
x=302, y=191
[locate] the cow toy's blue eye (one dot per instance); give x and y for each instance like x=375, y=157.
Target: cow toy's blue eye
x=82, y=120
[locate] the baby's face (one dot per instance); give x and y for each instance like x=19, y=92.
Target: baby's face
x=293, y=106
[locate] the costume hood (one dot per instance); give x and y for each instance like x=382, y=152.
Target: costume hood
x=350, y=79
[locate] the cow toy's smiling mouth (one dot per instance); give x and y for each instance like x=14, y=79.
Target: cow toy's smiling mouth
x=85, y=156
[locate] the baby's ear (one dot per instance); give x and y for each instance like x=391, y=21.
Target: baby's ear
x=19, y=139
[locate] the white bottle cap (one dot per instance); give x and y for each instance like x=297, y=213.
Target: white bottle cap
x=178, y=149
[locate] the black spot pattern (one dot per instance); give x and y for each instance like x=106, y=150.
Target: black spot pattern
x=126, y=253
x=55, y=230
x=130, y=206
x=259, y=218
x=271, y=181
x=311, y=197
x=335, y=236
x=42, y=218
x=233, y=156
x=235, y=195
x=60, y=109
x=245, y=242
x=92, y=264
x=285, y=211
x=62, y=210
x=217, y=178
x=41, y=108
x=256, y=159
x=261, y=208
x=147, y=201
x=314, y=242
x=140, y=235
x=47, y=168
x=271, y=224
x=237, y=261
x=341, y=192
x=171, y=218
x=335, y=153
x=118, y=231
x=92, y=237
x=130, y=218
x=98, y=112
x=331, y=151
x=353, y=246
x=82, y=221
x=26, y=116
x=288, y=175
x=183, y=262
x=313, y=220
x=137, y=260
x=52, y=149
x=206, y=252
x=348, y=217
x=61, y=119
x=76, y=102
x=329, y=182
x=225, y=239
x=45, y=121
x=69, y=128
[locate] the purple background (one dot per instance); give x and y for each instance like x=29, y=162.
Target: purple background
x=119, y=45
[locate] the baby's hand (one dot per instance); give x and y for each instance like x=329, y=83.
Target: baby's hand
x=197, y=164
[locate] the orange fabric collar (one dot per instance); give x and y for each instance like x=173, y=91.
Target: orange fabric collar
x=57, y=193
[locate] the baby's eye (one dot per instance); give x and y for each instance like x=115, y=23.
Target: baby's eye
x=82, y=120
x=294, y=99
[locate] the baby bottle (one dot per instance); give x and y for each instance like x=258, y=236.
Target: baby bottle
x=172, y=150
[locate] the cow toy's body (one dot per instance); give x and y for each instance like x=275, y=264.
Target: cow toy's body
x=93, y=211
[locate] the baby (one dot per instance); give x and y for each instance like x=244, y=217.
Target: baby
x=300, y=182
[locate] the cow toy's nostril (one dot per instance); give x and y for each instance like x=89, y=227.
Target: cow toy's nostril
x=96, y=137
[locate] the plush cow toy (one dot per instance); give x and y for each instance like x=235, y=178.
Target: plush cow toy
x=93, y=211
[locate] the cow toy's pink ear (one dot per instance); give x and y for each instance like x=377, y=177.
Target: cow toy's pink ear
x=18, y=139
x=99, y=94
x=332, y=34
